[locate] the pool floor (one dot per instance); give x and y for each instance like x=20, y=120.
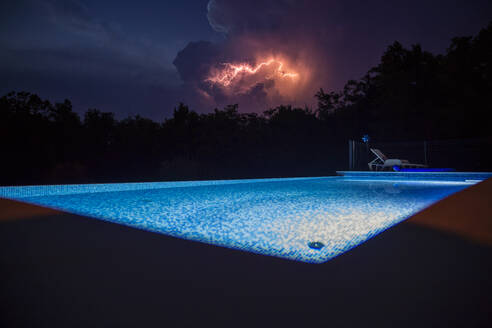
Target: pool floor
x=302, y=219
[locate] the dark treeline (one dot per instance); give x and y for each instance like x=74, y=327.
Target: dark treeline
x=411, y=95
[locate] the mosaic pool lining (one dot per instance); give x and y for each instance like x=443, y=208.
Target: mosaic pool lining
x=277, y=217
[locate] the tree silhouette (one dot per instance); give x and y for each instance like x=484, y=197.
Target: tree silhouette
x=410, y=95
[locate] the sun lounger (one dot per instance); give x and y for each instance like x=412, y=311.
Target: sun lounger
x=382, y=162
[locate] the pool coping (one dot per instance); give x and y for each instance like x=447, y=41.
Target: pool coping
x=417, y=175
x=16, y=192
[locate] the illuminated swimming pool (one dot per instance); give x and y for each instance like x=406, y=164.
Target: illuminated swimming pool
x=302, y=219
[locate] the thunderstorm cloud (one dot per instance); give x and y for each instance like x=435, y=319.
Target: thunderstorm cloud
x=143, y=58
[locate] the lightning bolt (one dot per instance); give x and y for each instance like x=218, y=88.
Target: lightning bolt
x=231, y=71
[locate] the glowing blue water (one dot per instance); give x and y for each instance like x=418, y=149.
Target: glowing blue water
x=277, y=217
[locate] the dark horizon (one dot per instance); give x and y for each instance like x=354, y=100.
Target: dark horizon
x=410, y=97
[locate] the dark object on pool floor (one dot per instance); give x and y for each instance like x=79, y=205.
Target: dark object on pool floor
x=316, y=245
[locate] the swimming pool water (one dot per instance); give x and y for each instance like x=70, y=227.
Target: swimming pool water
x=278, y=217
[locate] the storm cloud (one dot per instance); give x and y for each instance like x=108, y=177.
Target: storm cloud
x=255, y=32
x=145, y=58
x=326, y=42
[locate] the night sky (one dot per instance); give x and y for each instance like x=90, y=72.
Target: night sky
x=145, y=57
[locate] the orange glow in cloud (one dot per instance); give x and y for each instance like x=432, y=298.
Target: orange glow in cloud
x=269, y=69
x=267, y=81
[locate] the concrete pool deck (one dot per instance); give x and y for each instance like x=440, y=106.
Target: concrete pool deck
x=64, y=270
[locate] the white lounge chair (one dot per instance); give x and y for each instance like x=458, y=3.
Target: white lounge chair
x=382, y=162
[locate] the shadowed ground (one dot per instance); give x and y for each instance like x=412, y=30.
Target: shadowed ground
x=63, y=270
